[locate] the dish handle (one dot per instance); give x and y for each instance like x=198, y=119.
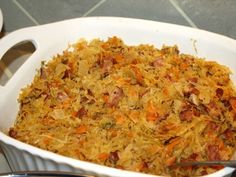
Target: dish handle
x=17, y=37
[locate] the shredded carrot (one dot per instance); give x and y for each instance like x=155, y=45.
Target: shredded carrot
x=138, y=74
x=114, y=133
x=119, y=119
x=74, y=114
x=184, y=65
x=170, y=160
x=152, y=114
x=133, y=115
x=66, y=103
x=130, y=134
x=46, y=140
x=119, y=58
x=233, y=104
x=173, y=143
x=103, y=156
x=82, y=129
x=105, y=98
x=165, y=91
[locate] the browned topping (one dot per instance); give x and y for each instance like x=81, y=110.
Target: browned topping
x=213, y=152
x=113, y=157
x=82, y=112
x=115, y=97
x=219, y=92
x=158, y=62
x=12, y=133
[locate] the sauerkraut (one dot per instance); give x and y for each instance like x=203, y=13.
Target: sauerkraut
x=136, y=108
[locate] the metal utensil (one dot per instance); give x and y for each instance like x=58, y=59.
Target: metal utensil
x=42, y=173
x=225, y=163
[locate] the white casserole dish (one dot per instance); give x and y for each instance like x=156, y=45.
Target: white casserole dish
x=1, y=20
x=53, y=38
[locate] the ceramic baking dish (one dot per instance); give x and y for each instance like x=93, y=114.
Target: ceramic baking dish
x=53, y=38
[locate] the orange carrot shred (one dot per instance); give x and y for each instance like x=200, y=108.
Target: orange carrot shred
x=81, y=129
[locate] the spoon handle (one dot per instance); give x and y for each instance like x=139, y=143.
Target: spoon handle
x=225, y=163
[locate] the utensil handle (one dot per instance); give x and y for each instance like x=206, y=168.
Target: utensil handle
x=225, y=163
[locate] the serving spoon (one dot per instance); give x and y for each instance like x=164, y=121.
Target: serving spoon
x=225, y=163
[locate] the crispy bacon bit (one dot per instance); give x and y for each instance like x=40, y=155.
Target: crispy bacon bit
x=83, y=99
x=158, y=62
x=192, y=157
x=219, y=92
x=213, y=152
x=195, y=91
x=106, y=64
x=192, y=90
x=66, y=74
x=12, y=133
x=213, y=126
x=188, y=113
x=144, y=165
x=115, y=97
x=43, y=73
x=163, y=117
x=82, y=112
x=213, y=109
x=168, y=77
x=62, y=96
x=90, y=92
x=204, y=172
x=226, y=103
x=233, y=103
x=113, y=157
x=228, y=134
x=193, y=79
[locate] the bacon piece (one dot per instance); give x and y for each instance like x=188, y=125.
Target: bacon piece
x=213, y=152
x=193, y=79
x=226, y=103
x=43, y=73
x=82, y=112
x=233, y=103
x=192, y=90
x=115, y=97
x=158, y=62
x=213, y=109
x=228, y=134
x=62, y=96
x=12, y=133
x=113, y=157
x=106, y=64
x=188, y=114
x=219, y=92
x=213, y=126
